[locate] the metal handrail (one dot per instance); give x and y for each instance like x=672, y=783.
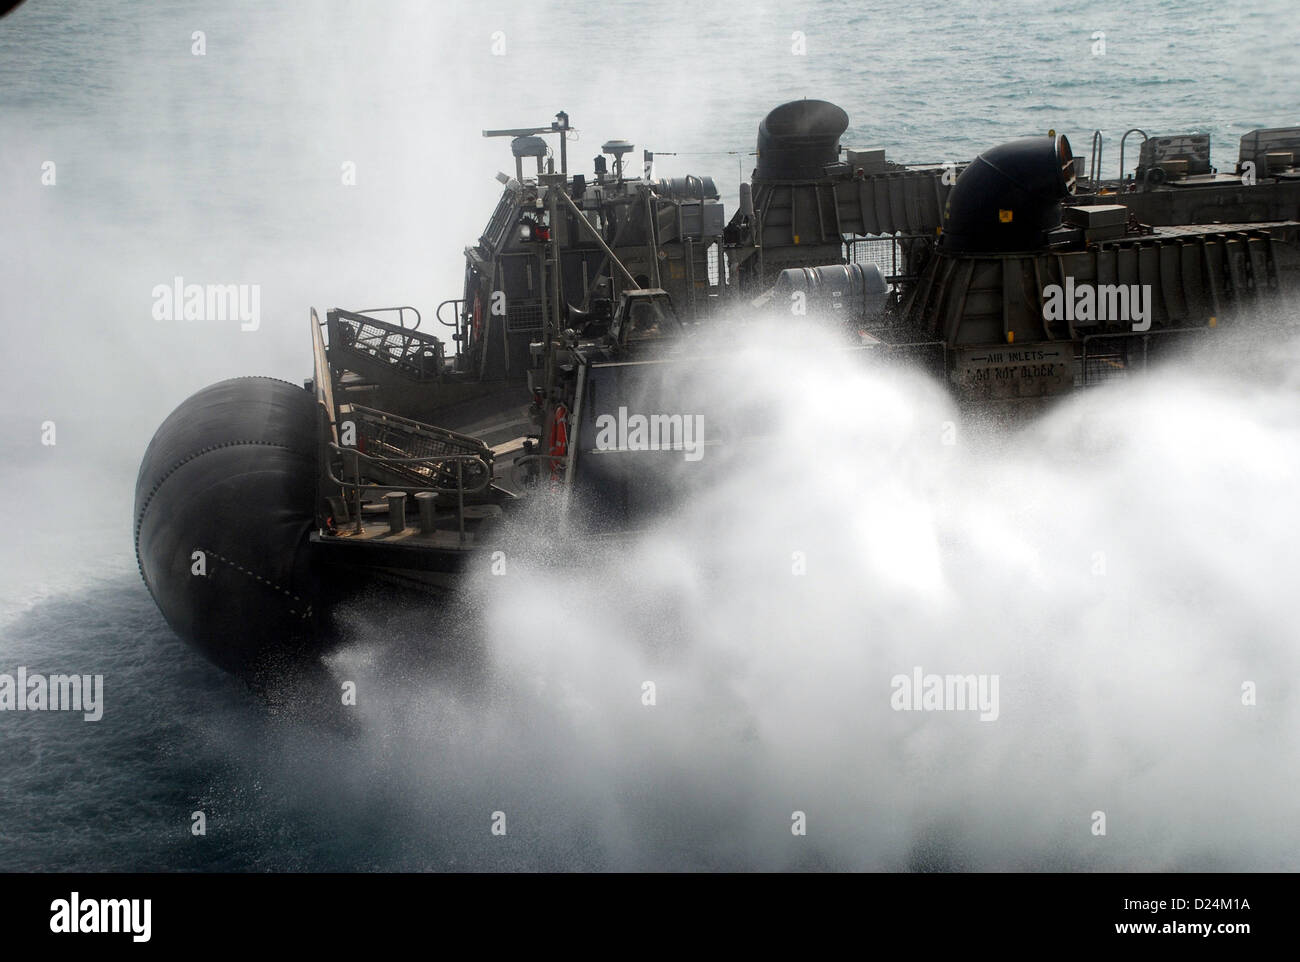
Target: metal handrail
x=427, y=459
x=430, y=431
x=458, y=324
x=1094, y=165
x=1176, y=329
x=438, y=312
x=1131, y=130
x=401, y=315
x=388, y=343
x=460, y=490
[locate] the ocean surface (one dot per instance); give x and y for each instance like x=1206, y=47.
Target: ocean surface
x=1121, y=693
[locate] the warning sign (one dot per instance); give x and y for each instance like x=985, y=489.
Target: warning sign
x=1003, y=371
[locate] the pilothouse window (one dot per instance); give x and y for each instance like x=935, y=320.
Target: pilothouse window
x=646, y=322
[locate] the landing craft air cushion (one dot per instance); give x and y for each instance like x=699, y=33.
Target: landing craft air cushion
x=259, y=504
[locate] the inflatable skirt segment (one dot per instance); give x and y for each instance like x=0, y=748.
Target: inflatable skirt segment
x=224, y=506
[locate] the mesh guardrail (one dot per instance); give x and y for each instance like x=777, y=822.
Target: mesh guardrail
x=413, y=353
x=381, y=435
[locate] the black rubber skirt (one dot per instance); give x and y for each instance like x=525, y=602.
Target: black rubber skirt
x=224, y=506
